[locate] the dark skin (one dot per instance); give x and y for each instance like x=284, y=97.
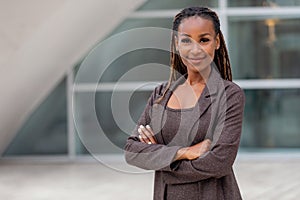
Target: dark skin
x=196, y=42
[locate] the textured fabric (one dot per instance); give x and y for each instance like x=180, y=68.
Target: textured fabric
x=176, y=122
x=218, y=116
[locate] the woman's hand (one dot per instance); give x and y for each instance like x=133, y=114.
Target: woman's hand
x=146, y=135
x=193, y=152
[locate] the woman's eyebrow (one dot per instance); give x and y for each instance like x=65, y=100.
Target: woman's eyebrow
x=184, y=34
x=204, y=34
x=201, y=35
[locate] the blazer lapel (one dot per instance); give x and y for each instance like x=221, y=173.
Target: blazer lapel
x=158, y=117
x=207, y=98
x=156, y=121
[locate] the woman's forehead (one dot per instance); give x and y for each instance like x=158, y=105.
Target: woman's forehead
x=196, y=24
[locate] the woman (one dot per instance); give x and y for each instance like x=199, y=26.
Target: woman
x=190, y=130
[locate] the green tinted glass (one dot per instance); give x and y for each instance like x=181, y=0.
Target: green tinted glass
x=45, y=131
x=176, y=4
x=265, y=3
x=264, y=47
x=271, y=119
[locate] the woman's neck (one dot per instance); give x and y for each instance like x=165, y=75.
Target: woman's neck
x=196, y=77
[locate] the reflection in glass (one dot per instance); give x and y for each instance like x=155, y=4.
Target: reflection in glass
x=265, y=3
x=264, y=48
x=116, y=125
x=45, y=131
x=271, y=119
x=128, y=24
x=150, y=59
x=176, y=4
x=139, y=65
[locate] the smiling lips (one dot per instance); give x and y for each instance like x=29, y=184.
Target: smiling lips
x=196, y=60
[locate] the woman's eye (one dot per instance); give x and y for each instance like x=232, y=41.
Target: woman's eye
x=185, y=40
x=204, y=40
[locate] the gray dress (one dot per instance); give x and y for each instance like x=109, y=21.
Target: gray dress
x=218, y=116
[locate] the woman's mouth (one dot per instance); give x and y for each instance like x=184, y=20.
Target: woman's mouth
x=196, y=60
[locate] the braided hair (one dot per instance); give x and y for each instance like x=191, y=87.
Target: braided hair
x=221, y=58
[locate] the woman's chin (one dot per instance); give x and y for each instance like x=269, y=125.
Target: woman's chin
x=201, y=67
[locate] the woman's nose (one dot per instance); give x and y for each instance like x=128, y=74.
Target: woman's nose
x=196, y=48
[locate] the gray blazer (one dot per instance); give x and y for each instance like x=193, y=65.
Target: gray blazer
x=218, y=116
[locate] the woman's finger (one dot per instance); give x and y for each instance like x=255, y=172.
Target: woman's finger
x=152, y=134
x=145, y=134
x=141, y=136
x=150, y=139
x=150, y=130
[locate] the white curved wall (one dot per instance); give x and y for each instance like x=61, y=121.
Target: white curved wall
x=40, y=41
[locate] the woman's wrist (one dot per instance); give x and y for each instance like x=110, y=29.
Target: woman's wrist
x=181, y=154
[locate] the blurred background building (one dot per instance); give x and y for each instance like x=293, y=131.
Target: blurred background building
x=51, y=120
x=44, y=43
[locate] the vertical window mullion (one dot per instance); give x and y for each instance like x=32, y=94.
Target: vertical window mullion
x=223, y=18
x=70, y=120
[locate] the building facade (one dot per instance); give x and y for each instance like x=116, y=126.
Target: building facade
x=96, y=106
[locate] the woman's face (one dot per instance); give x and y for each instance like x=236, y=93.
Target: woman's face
x=196, y=42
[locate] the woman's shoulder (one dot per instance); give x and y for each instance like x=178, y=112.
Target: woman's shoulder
x=160, y=88
x=157, y=92
x=231, y=88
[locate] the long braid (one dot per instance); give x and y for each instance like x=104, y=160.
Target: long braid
x=221, y=58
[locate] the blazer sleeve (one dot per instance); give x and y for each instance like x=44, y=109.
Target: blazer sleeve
x=148, y=156
x=219, y=160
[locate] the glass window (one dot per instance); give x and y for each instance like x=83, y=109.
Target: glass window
x=79, y=146
x=270, y=3
x=45, y=131
x=264, y=48
x=141, y=64
x=117, y=123
x=143, y=22
x=176, y=4
x=271, y=119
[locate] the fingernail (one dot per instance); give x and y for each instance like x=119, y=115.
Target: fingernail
x=139, y=130
x=140, y=136
x=141, y=126
x=148, y=126
x=149, y=143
